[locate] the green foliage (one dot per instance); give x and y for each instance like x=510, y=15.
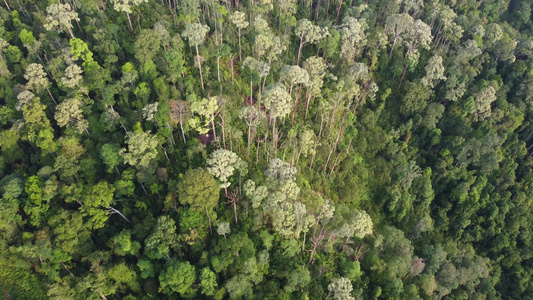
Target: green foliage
x=177, y=277
x=198, y=189
x=367, y=149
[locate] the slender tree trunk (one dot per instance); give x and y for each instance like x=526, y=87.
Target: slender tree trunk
x=232, y=71
x=392, y=47
x=331, y=122
x=240, y=55
x=235, y=211
x=129, y=21
x=251, y=87
x=223, y=125
x=182, y=131
x=218, y=73
x=317, y=10
x=7, y=5
x=300, y=50
x=249, y=137
x=165, y=151
x=403, y=75
x=257, y=152
x=51, y=96
x=275, y=138
x=338, y=12
x=336, y=140
x=199, y=66
x=307, y=105
x=70, y=31
x=114, y=210
x=214, y=129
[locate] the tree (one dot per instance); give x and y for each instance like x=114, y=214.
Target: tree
x=358, y=224
x=434, y=72
x=293, y=75
x=222, y=164
x=396, y=25
x=309, y=33
x=70, y=112
x=278, y=102
x=252, y=64
x=208, y=281
x=196, y=34
x=110, y=156
x=253, y=117
x=223, y=229
x=316, y=68
x=147, y=45
x=483, y=99
x=177, y=277
x=60, y=15
x=122, y=244
x=238, y=19
x=73, y=78
x=341, y=288
x=37, y=80
x=141, y=150
x=158, y=244
x=94, y=199
x=199, y=189
x=125, y=6
x=352, y=37
x=203, y=115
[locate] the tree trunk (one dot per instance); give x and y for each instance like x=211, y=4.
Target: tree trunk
x=129, y=21
x=240, y=55
x=338, y=12
x=336, y=140
x=70, y=31
x=300, y=50
x=199, y=66
x=249, y=137
x=232, y=71
x=307, y=105
x=7, y=5
x=235, y=211
x=275, y=138
x=392, y=47
x=182, y=132
x=223, y=125
x=218, y=73
x=317, y=10
x=403, y=75
x=251, y=87
x=214, y=129
x=51, y=96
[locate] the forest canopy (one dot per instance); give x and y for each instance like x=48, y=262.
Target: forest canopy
x=267, y=149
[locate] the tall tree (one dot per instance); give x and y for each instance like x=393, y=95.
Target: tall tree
x=222, y=164
x=60, y=15
x=278, y=102
x=126, y=6
x=37, y=80
x=70, y=112
x=353, y=37
x=238, y=19
x=309, y=33
x=396, y=25
x=253, y=117
x=196, y=34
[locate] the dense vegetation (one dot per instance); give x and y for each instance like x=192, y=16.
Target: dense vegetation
x=203, y=149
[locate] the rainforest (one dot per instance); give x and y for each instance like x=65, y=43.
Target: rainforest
x=266, y=149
